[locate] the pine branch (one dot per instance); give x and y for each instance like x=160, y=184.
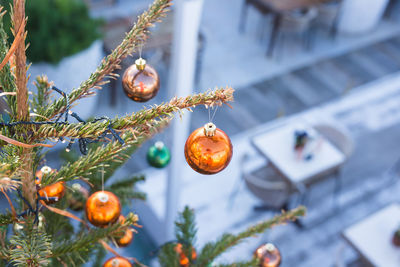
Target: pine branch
x=7, y=79
x=99, y=258
x=168, y=257
x=31, y=246
x=135, y=37
x=213, y=249
x=104, y=156
x=9, y=161
x=251, y=263
x=185, y=231
x=6, y=219
x=185, y=228
x=41, y=97
x=87, y=240
x=138, y=119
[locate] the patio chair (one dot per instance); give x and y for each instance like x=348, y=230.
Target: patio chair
x=328, y=14
x=298, y=23
x=266, y=185
x=338, y=136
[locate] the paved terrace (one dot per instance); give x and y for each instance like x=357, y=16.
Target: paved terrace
x=333, y=82
x=372, y=114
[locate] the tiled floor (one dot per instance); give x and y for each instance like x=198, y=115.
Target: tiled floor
x=272, y=89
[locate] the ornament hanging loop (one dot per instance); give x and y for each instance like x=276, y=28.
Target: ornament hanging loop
x=211, y=118
x=140, y=62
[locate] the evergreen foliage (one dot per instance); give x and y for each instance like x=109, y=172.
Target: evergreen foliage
x=35, y=234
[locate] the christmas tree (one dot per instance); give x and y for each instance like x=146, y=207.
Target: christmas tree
x=40, y=229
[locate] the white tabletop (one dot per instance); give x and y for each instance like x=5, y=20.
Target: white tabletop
x=278, y=146
x=372, y=237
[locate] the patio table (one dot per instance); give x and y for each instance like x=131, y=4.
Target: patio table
x=277, y=145
x=372, y=237
x=277, y=8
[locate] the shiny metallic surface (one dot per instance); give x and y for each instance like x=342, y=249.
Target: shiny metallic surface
x=117, y=262
x=208, y=154
x=268, y=255
x=141, y=85
x=56, y=190
x=100, y=213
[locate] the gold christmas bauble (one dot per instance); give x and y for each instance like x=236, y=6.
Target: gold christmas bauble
x=127, y=237
x=141, y=81
x=52, y=193
x=117, y=262
x=102, y=208
x=183, y=259
x=208, y=150
x=268, y=255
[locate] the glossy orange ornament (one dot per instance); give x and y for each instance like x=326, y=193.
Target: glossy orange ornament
x=268, y=255
x=43, y=171
x=208, y=150
x=102, y=208
x=127, y=238
x=56, y=190
x=117, y=262
x=141, y=81
x=183, y=260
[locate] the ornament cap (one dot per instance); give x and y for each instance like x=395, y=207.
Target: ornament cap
x=159, y=145
x=76, y=186
x=45, y=169
x=140, y=63
x=270, y=247
x=103, y=197
x=209, y=129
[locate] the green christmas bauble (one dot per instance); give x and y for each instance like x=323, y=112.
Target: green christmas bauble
x=158, y=155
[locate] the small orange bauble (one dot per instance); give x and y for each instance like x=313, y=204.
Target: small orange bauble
x=208, y=150
x=103, y=208
x=43, y=171
x=183, y=260
x=268, y=255
x=117, y=262
x=55, y=191
x=140, y=81
x=127, y=238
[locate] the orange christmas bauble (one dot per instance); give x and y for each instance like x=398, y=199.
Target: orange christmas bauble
x=140, y=81
x=117, y=262
x=127, y=238
x=102, y=208
x=55, y=191
x=208, y=150
x=183, y=260
x=43, y=171
x=268, y=255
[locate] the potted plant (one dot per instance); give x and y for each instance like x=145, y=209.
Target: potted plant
x=396, y=237
x=63, y=43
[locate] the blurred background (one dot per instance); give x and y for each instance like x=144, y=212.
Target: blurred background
x=316, y=117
